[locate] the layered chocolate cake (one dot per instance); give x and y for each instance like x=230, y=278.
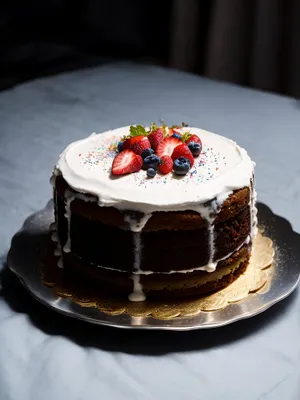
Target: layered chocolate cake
x=158, y=212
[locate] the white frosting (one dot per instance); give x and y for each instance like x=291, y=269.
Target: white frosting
x=222, y=167
x=86, y=166
x=69, y=198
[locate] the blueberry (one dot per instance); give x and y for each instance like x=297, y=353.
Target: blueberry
x=181, y=166
x=120, y=147
x=195, y=148
x=177, y=136
x=151, y=172
x=151, y=162
x=146, y=153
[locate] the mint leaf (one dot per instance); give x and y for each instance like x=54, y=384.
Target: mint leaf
x=186, y=136
x=137, y=130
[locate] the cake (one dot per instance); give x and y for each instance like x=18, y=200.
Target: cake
x=157, y=213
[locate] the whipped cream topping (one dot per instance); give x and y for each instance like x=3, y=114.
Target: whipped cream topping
x=222, y=167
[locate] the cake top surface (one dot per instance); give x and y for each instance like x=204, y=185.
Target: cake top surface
x=221, y=167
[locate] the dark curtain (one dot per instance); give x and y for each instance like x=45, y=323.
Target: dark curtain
x=252, y=43
x=249, y=42
x=43, y=37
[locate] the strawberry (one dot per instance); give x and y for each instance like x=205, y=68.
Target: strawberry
x=137, y=144
x=193, y=138
x=165, y=165
x=183, y=151
x=156, y=137
x=166, y=146
x=126, y=162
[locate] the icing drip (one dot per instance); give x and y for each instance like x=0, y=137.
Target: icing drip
x=55, y=173
x=136, y=227
x=57, y=251
x=254, y=229
x=137, y=293
x=69, y=197
x=209, y=212
x=54, y=235
x=253, y=212
x=211, y=265
x=137, y=224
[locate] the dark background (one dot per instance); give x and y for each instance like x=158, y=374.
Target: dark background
x=252, y=43
x=42, y=37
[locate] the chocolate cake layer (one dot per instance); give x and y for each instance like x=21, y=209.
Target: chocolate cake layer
x=159, y=286
x=171, y=220
x=161, y=251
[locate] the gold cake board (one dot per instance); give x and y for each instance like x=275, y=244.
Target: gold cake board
x=255, y=279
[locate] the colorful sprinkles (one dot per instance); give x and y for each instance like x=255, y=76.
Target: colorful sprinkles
x=207, y=166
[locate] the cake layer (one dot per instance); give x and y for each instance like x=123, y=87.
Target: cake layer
x=159, y=286
x=175, y=220
x=161, y=251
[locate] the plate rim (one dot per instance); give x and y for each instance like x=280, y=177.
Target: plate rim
x=112, y=320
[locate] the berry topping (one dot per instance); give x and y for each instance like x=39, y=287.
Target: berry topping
x=146, y=153
x=195, y=148
x=181, y=166
x=183, y=151
x=166, y=147
x=176, y=129
x=137, y=144
x=177, y=135
x=151, y=162
x=193, y=138
x=151, y=172
x=126, y=162
x=120, y=147
x=156, y=137
x=165, y=165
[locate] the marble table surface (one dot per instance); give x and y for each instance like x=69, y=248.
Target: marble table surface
x=46, y=356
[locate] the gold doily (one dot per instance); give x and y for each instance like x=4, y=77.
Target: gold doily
x=256, y=279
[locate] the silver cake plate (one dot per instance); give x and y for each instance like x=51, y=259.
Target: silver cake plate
x=28, y=245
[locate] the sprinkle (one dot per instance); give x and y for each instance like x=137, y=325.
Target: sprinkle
x=206, y=167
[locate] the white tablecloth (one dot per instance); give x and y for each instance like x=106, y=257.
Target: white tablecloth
x=46, y=356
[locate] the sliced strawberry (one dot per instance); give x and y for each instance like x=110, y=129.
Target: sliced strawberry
x=193, y=138
x=166, y=146
x=137, y=144
x=183, y=151
x=126, y=162
x=165, y=165
x=156, y=137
